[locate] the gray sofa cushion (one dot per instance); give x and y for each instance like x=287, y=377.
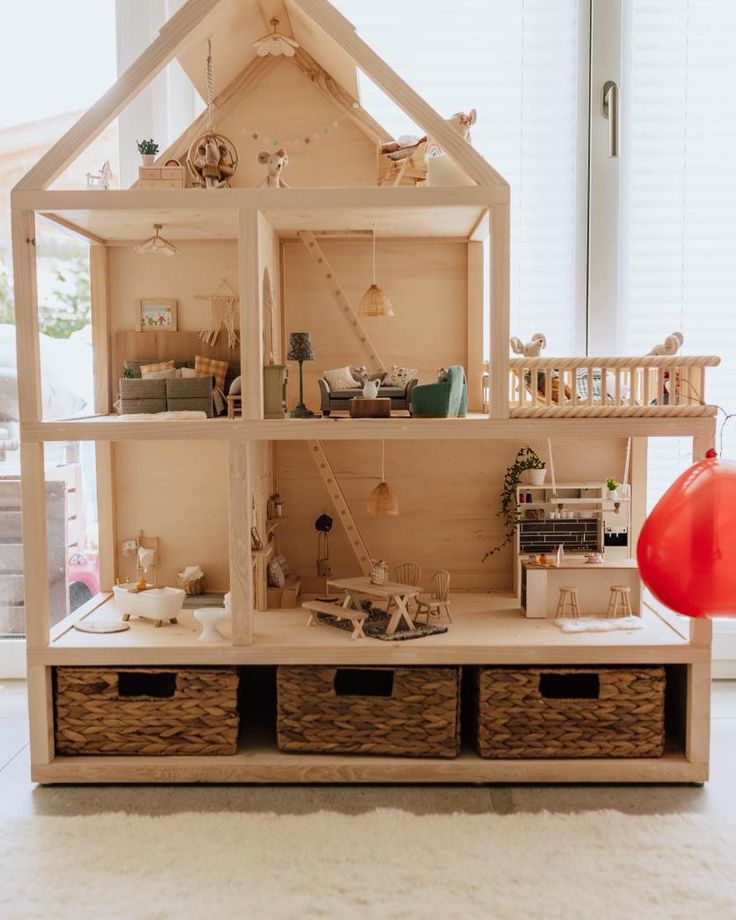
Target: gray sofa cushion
x=189, y=387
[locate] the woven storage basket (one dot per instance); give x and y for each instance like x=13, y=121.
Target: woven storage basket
x=160, y=711
x=570, y=712
x=191, y=586
x=401, y=711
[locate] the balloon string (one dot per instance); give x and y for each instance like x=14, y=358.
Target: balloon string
x=727, y=416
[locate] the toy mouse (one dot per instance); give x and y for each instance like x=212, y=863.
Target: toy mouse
x=671, y=345
x=275, y=162
x=532, y=349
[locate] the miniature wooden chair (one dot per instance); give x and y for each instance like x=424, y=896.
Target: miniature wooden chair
x=437, y=603
x=408, y=573
x=620, y=602
x=568, y=598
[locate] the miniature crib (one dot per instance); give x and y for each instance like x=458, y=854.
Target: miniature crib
x=612, y=386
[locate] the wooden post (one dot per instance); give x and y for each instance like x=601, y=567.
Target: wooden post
x=475, y=354
x=104, y=376
x=638, y=483
x=499, y=307
x=251, y=315
x=241, y=521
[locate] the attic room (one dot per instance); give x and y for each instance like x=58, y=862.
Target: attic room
x=364, y=459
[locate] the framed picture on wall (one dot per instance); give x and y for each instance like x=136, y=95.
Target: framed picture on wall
x=156, y=314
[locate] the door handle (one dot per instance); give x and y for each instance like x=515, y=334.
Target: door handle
x=609, y=107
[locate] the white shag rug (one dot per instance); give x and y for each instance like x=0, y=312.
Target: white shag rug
x=384, y=864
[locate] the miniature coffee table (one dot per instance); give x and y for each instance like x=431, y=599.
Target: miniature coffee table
x=365, y=407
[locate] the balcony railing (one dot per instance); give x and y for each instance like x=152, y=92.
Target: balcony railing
x=618, y=387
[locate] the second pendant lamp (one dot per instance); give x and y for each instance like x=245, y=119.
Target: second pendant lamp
x=382, y=502
x=375, y=301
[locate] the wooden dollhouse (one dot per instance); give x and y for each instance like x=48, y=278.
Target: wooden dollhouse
x=297, y=259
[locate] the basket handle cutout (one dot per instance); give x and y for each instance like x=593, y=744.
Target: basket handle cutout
x=361, y=682
x=162, y=686
x=583, y=686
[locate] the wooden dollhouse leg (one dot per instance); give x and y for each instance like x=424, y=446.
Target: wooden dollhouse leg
x=311, y=620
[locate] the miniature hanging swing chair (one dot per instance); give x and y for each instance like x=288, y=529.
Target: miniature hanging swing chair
x=212, y=160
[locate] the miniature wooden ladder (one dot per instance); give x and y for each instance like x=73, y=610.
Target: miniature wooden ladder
x=338, y=295
x=341, y=506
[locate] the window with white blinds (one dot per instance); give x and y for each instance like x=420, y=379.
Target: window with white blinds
x=523, y=66
x=678, y=203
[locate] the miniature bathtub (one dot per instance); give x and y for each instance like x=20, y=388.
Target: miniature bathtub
x=158, y=604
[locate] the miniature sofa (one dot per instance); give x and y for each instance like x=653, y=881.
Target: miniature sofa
x=444, y=399
x=192, y=394
x=340, y=399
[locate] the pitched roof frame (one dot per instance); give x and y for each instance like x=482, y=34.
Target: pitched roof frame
x=174, y=35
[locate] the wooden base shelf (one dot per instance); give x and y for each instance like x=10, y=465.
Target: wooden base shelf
x=263, y=763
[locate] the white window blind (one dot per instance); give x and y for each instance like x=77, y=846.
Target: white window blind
x=678, y=224
x=521, y=65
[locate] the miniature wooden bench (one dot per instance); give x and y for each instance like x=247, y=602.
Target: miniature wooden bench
x=356, y=617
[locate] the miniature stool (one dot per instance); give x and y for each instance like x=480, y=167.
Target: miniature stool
x=568, y=598
x=620, y=602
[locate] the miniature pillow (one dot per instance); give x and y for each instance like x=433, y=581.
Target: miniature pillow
x=442, y=375
x=211, y=367
x=186, y=372
x=148, y=369
x=340, y=379
x=360, y=374
x=283, y=563
x=399, y=376
x=276, y=577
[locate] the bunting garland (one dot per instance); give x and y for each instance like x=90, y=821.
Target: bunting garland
x=297, y=142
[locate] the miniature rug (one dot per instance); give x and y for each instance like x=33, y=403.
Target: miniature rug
x=382, y=865
x=598, y=624
x=375, y=626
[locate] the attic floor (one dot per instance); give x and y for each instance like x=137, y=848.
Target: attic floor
x=19, y=797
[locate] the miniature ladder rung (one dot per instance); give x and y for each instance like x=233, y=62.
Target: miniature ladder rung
x=340, y=297
x=355, y=537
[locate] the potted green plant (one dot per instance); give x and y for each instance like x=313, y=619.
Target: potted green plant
x=148, y=150
x=526, y=460
x=612, y=489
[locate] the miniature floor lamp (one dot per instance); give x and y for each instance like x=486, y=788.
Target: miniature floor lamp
x=301, y=350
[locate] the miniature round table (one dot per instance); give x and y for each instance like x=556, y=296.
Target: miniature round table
x=364, y=407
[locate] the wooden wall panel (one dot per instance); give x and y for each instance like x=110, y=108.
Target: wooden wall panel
x=427, y=283
x=286, y=105
x=177, y=493
x=448, y=499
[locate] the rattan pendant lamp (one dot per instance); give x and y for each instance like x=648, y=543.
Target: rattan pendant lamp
x=382, y=502
x=375, y=301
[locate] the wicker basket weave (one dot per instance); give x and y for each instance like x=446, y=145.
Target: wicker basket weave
x=160, y=711
x=191, y=586
x=570, y=712
x=326, y=709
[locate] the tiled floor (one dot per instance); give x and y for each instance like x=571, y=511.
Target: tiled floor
x=19, y=797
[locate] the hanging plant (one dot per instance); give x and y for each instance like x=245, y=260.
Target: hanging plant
x=526, y=459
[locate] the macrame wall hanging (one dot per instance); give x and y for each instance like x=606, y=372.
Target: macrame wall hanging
x=222, y=303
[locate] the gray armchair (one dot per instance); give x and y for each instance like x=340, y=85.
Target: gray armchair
x=340, y=399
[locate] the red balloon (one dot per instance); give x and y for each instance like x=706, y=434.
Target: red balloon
x=687, y=546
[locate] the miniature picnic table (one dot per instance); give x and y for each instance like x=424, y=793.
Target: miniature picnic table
x=396, y=593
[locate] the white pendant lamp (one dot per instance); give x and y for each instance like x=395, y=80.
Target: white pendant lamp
x=275, y=43
x=157, y=245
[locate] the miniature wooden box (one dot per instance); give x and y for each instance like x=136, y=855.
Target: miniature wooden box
x=405, y=711
x=158, y=177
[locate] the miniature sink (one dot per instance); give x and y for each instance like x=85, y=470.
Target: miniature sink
x=158, y=604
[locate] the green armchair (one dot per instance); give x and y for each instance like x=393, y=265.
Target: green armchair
x=446, y=399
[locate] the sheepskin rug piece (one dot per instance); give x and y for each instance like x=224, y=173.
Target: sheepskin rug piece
x=383, y=864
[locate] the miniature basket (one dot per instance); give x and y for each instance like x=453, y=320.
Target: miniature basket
x=570, y=712
x=404, y=711
x=146, y=711
x=191, y=586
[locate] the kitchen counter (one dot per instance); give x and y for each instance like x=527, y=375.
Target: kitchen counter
x=540, y=585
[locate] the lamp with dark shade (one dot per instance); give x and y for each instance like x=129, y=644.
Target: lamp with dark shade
x=301, y=350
